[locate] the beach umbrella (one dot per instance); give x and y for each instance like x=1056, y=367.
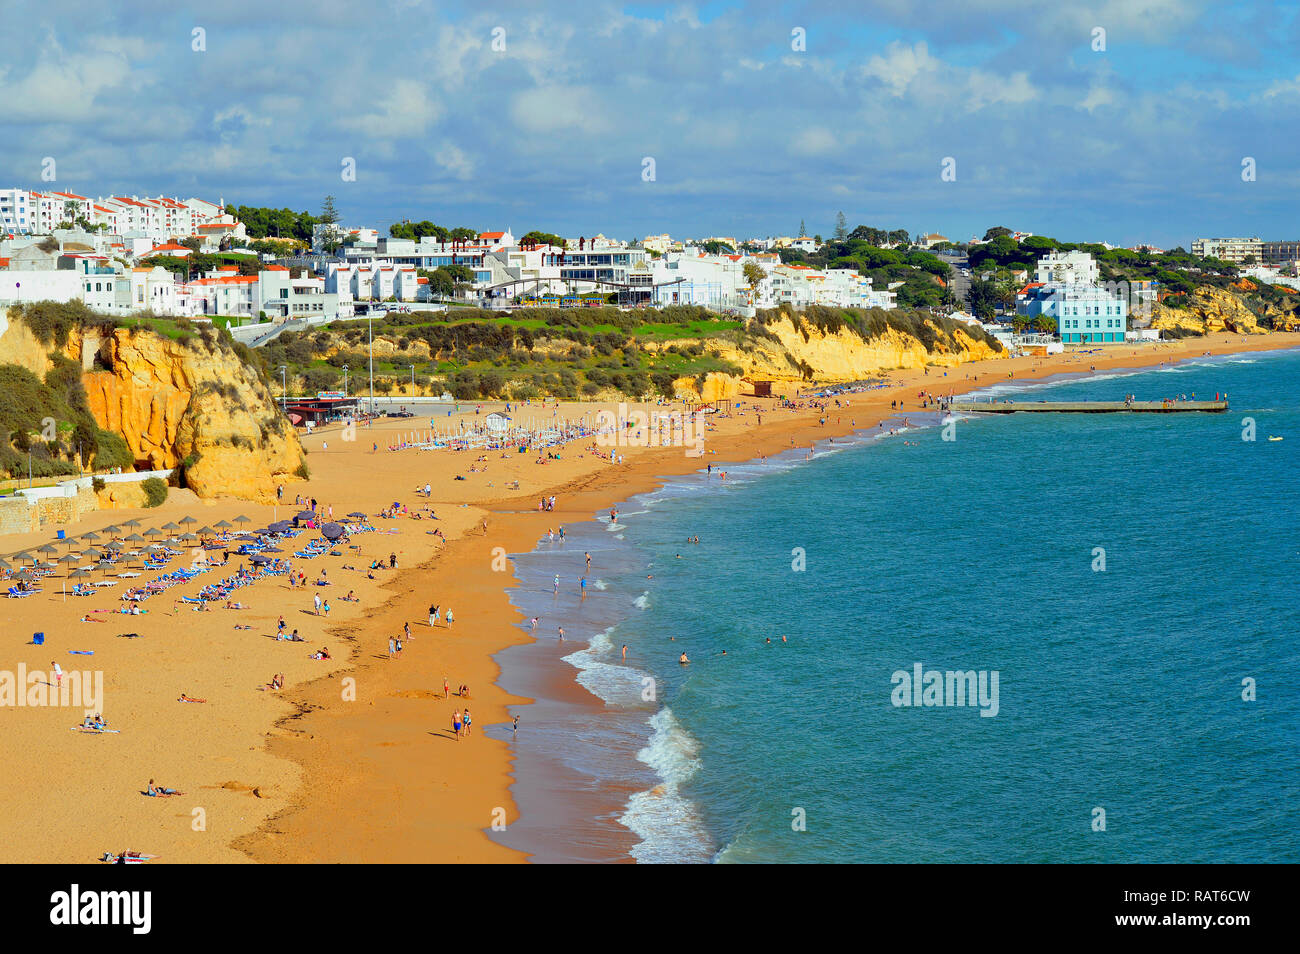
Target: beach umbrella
x=114, y=545
x=69, y=558
x=4, y=565
x=304, y=515
x=90, y=536
x=24, y=556
x=78, y=572
x=47, y=549
x=272, y=550
x=135, y=538
x=225, y=524
x=242, y=519
x=23, y=575
x=331, y=531
x=91, y=554
x=104, y=566
x=170, y=526
x=204, y=531
x=131, y=523
x=259, y=559
x=189, y=536
x=187, y=520
x=152, y=532
x=113, y=528
x=358, y=514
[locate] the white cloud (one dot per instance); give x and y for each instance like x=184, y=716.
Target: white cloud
x=551, y=109
x=405, y=110
x=900, y=65
x=453, y=159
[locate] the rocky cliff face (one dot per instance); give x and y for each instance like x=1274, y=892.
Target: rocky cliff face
x=198, y=405
x=837, y=357
x=1212, y=309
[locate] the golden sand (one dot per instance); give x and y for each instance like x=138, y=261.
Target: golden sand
x=354, y=760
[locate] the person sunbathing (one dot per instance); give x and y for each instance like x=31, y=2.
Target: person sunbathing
x=277, y=681
x=160, y=791
x=188, y=698
x=321, y=653
x=230, y=605
x=350, y=598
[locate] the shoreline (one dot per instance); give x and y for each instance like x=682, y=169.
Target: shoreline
x=312, y=777
x=581, y=499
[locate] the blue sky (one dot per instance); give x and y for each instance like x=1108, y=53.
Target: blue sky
x=1141, y=141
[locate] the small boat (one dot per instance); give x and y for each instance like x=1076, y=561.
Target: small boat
x=1272, y=438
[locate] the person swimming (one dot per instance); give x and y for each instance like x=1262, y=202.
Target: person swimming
x=682, y=659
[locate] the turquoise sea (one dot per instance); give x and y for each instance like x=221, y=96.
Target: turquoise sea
x=1120, y=684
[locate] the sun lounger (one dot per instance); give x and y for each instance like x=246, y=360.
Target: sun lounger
x=17, y=594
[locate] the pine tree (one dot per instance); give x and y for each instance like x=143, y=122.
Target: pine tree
x=803, y=229
x=841, y=228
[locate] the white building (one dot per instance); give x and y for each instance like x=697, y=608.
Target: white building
x=1234, y=250
x=1067, y=268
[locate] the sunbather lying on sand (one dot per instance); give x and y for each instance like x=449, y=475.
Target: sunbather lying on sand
x=160, y=791
x=188, y=698
x=321, y=653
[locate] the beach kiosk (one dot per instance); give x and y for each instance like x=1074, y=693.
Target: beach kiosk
x=497, y=423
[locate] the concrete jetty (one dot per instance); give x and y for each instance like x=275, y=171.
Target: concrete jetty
x=1089, y=407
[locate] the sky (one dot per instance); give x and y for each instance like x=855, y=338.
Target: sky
x=1127, y=121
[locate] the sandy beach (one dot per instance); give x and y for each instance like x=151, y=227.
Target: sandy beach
x=355, y=761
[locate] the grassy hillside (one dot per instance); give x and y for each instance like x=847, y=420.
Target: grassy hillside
x=566, y=353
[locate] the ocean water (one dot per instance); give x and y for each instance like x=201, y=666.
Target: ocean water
x=1125, y=577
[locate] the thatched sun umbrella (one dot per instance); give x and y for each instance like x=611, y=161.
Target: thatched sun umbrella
x=92, y=535
x=224, y=524
x=135, y=538
x=189, y=537
x=78, y=573
x=242, y=519
x=48, y=548
x=170, y=526
x=152, y=532
x=186, y=520
x=113, y=528
x=69, y=558
x=205, y=531
x=131, y=523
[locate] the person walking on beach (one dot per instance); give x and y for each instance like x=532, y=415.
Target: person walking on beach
x=391, y=646
x=455, y=723
x=557, y=585
x=583, y=583
x=515, y=730
x=450, y=619
x=467, y=721
x=446, y=687
x=317, y=600
x=561, y=633
x=326, y=606
x=588, y=556
x=625, y=651
x=58, y=674
x=406, y=628
x=279, y=627
x=433, y=615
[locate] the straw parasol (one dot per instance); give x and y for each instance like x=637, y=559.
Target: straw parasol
x=131, y=523
x=112, y=528
x=170, y=526
x=225, y=524
x=135, y=538
x=92, y=535
x=187, y=520
x=242, y=519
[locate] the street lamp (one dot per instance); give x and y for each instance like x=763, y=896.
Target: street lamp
x=345, y=380
x=370, y=321
x=284, y=387
x=412, y=380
